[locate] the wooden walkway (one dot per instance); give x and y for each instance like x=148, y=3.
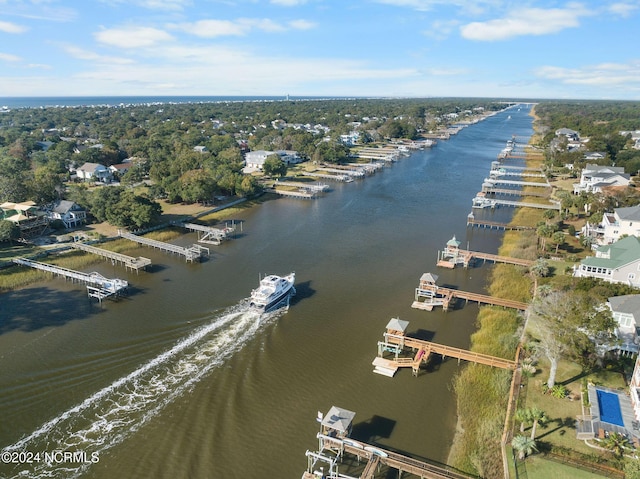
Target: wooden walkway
x=443, y=296
x=127, y=261
x=448, y=351
x=508, y=191
x=375, y=455
x=292, y=194
x=97, y=285
x=494, y=224
x=500, y=181
x=195, y=252
x=464, y=257
x=525, y=204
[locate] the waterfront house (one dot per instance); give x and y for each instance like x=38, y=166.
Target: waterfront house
x=567, y=132
x=94, y=172
x=615, y=263
x=595, y=177
x=623, y=221
x=255, y=159
x=626, y=311
x=70, y=213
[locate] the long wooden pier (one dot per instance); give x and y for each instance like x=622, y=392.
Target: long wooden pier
x=194, y=252
x=305, y=195
x=433, y=295
x=490, y=182
x=97, y=285
x=450, y=257
x=128, y=262
x=526, y=204
x=471, y=221
x=327, y=176
x=332, y=449
x=489, y=190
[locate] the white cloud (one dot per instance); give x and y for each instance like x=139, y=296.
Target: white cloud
x=468, y=6
x=622, y=9
x=526, y=21
x=601, y=75
x=7, y=57
x=132, y=37
x=211, y=28
x=46, y=10
x=83, y=54
x=288, y=3
x=302, y=24
x=164, y=5
x=441, y=29
x=239, y=27
x=8, y=27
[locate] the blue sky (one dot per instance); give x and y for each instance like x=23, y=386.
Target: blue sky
x=391, y=48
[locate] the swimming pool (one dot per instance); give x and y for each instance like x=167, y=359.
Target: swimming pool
x=609, y=406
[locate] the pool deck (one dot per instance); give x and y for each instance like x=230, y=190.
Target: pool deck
x=592, y=426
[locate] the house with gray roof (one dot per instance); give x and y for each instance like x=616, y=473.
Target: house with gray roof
x=618, y=262
x=595, y=177
x=623, y=221
x=626, y=311
x=70, y=213
x=94, y=172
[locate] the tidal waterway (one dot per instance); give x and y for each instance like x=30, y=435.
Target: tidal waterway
x=180, y=380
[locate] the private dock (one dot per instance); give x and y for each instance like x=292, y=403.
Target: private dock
x=428, y=295
x=208, y=234
x=452, y=256
x=305, y=195
x=312, y=187
x=334, y=442
x=194, y=252
x=129, y=262
x=490, y=182
x=327, y=176
x=396, y=342
x=471, y=221
x=348, y=171
x=98, y=286
x=497, y=172
x=489, y=190
x=554, y=205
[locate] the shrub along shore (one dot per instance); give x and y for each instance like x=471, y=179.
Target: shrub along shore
x=482, y=392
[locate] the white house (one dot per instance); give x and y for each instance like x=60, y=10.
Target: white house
x=94, y=172
x=615, y=263
x=595, y=177
x=120, y=168
x=623, y=221
x=255, y=159
x=626, y=312
x=70, y=213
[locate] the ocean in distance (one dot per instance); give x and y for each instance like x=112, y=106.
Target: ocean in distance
x=77, y=101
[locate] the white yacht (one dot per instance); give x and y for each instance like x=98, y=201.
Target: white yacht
x=273, y=291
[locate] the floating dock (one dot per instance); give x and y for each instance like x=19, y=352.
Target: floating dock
x=129, y=262
x=98, y=286
x=194, y=252
x=334, y=442
x=429, y=295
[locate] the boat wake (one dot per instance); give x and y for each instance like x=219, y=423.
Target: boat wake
x=112, y=414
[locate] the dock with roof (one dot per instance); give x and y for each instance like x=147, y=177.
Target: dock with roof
x=335, y=443
x=429, y=295
x=452, y=256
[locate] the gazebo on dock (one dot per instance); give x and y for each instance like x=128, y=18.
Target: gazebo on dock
x=397, y=326
x=337, y=422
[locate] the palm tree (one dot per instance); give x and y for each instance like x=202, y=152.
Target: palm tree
x=524, y=416
x=538, y=416
x=616, y=443
x=524, y=445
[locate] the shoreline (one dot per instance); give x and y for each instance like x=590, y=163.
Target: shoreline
x=456, y=450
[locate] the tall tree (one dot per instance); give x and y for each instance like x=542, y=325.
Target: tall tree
x=524, y=446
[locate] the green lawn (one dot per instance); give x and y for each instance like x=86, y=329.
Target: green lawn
x=539, y=468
